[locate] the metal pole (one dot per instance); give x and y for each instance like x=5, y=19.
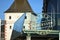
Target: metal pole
x=28, y=37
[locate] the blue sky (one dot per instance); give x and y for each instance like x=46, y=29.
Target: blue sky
x=36, y=5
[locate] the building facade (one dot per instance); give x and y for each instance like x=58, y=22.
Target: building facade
x=51, y=12
x=30, y=21
x=13, y=16
x=2, y=29
x=21, y=9
x=10, y=18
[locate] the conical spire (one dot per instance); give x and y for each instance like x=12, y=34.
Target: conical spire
x=20, y=6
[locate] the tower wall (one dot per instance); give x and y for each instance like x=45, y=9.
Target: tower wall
x=10, y=18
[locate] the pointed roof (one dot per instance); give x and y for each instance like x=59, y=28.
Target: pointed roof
x=20, y=6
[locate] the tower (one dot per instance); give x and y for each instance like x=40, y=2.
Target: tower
x=17, y=9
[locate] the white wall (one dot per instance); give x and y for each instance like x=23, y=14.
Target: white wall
x=27, y=21
x=14, y=18
x=30, y=22
x=10, y=22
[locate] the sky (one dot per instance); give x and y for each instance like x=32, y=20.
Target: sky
x=36, y=6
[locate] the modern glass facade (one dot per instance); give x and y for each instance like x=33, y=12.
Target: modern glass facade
x=51, y=10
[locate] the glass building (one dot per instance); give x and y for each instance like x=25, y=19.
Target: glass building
x=51, y=12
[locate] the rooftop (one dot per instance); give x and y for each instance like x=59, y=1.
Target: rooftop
x=20, y=6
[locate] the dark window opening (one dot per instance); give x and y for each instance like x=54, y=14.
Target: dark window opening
x=25, y=17
x=10, y=27
x=9, y=17
x=2, y=32
x=45, y=15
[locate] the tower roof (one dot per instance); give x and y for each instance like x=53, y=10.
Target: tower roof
x=20, y=6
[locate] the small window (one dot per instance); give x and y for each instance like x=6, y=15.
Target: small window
x=10, y=27
x=9, y=17
x=45, y=15
x=25, y=17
